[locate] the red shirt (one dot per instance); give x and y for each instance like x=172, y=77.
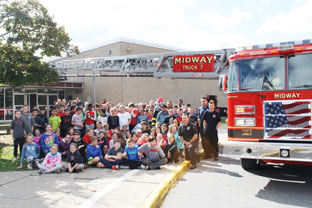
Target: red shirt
x=87, y=139
x=134, y=120
x=89, y=120
x=179, y=119
x=61, y=114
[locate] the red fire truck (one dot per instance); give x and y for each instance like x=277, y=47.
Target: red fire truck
x=269, y=99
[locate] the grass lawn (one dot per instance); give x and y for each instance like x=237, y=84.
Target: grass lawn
x=6, y=158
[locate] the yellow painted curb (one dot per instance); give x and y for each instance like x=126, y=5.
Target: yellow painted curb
x=156, y=197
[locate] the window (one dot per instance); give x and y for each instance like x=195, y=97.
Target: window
x=300, y=71
x=262, y=74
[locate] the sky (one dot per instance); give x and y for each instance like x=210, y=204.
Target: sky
x=188, y=24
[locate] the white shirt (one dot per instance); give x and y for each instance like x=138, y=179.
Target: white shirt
x=124, y=119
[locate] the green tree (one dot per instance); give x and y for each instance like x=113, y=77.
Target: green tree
x=28, y=33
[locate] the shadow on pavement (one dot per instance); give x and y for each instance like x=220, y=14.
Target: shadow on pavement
x=215, y=167
x=291, y=185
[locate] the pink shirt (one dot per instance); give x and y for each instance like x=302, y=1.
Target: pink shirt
x=51, y=160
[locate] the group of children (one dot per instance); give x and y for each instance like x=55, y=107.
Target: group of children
x=74, y=153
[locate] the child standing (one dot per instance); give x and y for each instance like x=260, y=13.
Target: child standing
x=90, y=117
x=30, y=152
x=52, y=161
x=74, y=159
x=171, y=150
x=18, y=133
x=55, y=120
x=94, y=153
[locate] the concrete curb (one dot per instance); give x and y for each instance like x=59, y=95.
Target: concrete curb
x=155, y=199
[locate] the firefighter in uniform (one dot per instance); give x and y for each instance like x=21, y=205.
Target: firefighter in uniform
x=211, y=124
x=188, y=134
x=204, y=140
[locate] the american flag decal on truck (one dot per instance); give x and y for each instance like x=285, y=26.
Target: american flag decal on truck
x=287, y=120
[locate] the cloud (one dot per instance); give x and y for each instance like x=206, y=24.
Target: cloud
x=296, y=21
x=219, y=21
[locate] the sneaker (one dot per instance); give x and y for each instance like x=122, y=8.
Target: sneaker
x=90, y=160
x=115, y=167
x=86, y=166
x=104, y=166
x=147, y=167
x=15, y=159
x=29, y=166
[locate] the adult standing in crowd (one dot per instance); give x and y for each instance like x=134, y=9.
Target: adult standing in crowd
x=79, y=103
x=211, y=124
x=28, y=120
x=188, y=134
x=201, y=112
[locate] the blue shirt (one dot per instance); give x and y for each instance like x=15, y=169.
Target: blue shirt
x=93, y=151
x=201, y=113
x=132, y=153
x=47, y=140
x=161, y=116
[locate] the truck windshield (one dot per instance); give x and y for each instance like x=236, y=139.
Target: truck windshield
x=262, y=74
x=300, y=71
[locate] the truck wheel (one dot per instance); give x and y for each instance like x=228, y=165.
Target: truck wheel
x=250, y=164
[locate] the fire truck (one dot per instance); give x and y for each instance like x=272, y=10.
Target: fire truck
x=269, y=99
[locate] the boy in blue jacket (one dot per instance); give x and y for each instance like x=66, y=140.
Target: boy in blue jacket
x=94, y=153
x=30, y=152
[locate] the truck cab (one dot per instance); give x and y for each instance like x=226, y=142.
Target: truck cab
x=269, y=99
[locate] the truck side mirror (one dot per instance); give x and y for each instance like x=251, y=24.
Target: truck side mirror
x=223, y=82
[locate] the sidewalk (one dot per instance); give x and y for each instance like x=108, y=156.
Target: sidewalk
x=91, y=188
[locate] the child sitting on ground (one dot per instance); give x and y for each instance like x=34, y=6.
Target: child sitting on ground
x=88, y=136
x=74, y=160
x=131, y=152
x=81, y=145
x=94, y=153
x=37, y=137
x=155, y=156
x=102, y=142
x=64, y=145
x=52, y=161
x=143, y=139
x=113, y=157
x=99, y=128
x=30, y=152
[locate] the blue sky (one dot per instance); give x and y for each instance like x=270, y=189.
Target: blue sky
x=187, y=24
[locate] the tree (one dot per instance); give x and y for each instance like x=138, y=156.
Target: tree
x=27, y=33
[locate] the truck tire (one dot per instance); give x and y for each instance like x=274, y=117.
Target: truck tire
x=250, y=164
